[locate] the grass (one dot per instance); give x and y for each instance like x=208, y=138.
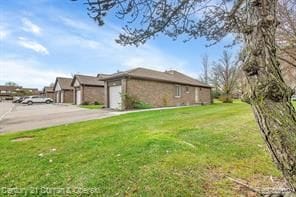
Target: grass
x=91, y=106
x=178, y=152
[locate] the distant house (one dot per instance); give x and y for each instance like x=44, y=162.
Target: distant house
x=63, y=90
x=30, y=91
x=87, y=89
x=158, y=89
x=48, y=92
x=8, y=92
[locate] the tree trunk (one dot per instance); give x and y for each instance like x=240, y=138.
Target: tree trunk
x=268, y=95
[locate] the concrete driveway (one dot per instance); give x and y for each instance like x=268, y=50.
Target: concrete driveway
x=18, y=117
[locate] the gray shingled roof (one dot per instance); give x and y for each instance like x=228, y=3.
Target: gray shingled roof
x=48, y=89
x=88, y=80
x=9, y=88
x=65, y=83
x=167, y=76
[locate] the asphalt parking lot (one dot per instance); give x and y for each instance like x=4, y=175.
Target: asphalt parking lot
x=18, y=117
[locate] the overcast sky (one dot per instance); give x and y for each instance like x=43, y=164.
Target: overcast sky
x=43, y=39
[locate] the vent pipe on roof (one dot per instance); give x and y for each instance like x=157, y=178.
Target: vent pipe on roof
x=171, y=72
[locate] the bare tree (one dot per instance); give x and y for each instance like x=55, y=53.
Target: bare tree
x=225, y=74
x=11, y=83
x=254, y=22
x=205, y=63
x=286, y=32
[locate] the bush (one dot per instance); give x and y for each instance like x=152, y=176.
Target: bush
x=216, y=94
x=141, y=105
x=132, y=102
x=226, y=98
x=97, y=103
x=129, y=101
x=85, y=103
x=165, y=101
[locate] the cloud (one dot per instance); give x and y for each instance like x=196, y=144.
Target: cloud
x=150, y=57
x=35, y=46
x=75, y=23
x=27, y=73
x=3, y=33
x=29, y=26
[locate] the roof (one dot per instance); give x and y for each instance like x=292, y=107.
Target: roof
x=171, y=76
x=48, y=89
x=10, y=88
x=100, y=75
x=87, y=80
x=65, y=83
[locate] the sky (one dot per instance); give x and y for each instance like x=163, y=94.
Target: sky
x=43, y=39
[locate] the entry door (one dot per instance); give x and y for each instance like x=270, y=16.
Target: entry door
x=78, y=97
x=197, y=95
x=115, y=97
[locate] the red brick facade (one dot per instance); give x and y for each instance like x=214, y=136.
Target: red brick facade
x=160, y=94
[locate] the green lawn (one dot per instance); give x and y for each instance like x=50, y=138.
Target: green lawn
x=178, y=152
x=91, y=106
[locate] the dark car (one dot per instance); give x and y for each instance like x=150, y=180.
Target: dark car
x=19, y=99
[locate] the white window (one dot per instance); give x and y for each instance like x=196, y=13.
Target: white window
x=178, y=91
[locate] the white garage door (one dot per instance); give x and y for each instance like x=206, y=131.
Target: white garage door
x=115, y=97
x=78, y=97
x=62, y=97
x=58, y=97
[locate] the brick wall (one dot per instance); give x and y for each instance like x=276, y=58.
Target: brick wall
x=159, y=94
x=92, y=94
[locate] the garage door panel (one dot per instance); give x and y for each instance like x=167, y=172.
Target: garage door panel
x=115, y=97
x=78, y=97
x=58, y=97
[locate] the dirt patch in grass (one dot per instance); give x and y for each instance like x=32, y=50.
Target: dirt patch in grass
x=217, y=183
x=21, y=139
x=261, y=182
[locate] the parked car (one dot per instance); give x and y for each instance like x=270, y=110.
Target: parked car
x=37, y=99
x=294, y=97
x=19, y=99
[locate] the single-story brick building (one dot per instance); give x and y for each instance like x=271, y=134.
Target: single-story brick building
x=87, y=89
x=48, y=92
x=63, y=90
x=8, y=92
x=158, y=89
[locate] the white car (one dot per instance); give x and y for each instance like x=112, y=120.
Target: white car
x=37, y=99
x=294, y=97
